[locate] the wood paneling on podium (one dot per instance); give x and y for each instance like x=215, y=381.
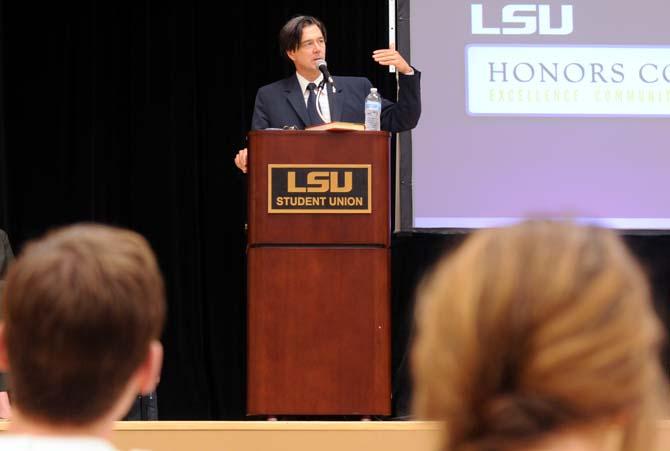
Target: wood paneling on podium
x=299, y=147
x=319, y=278
x=321, y=330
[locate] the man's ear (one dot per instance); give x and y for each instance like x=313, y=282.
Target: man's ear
x=4, y=360
x=291, y=54
x=150, y=370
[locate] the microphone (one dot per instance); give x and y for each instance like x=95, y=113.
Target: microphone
x=323, y=67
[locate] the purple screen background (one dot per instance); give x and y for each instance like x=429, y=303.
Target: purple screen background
x=506, y=167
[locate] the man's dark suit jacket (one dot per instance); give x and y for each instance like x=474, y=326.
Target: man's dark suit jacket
x=282, y=104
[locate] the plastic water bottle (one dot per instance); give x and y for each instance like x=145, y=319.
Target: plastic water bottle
x=373, y=110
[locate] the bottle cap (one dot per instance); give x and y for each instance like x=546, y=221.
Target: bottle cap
x=373, y=89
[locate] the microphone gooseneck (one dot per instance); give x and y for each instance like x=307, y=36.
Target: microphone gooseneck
x=323, y=67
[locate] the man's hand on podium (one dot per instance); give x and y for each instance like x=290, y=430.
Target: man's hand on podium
x=241, y=160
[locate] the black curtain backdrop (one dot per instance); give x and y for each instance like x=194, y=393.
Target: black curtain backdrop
x=131, y=114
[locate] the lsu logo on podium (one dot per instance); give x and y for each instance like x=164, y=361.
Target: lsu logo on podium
x=319, y=188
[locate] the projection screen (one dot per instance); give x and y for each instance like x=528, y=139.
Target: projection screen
x=552, y=109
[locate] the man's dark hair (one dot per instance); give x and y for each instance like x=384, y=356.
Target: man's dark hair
x=291, y=33
x=81, y=308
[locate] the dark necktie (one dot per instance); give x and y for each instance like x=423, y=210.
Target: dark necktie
x=314, y=118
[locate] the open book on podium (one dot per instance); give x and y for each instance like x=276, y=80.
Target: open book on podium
x=337, y=127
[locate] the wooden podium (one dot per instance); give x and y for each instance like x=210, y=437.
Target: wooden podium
x=318, y=273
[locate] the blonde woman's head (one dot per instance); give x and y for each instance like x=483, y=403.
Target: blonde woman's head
x=531, y=329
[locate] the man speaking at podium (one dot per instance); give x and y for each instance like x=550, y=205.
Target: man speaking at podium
x=292, y=102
